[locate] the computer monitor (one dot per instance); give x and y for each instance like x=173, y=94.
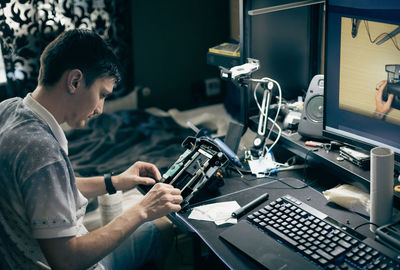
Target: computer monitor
x=362, y=49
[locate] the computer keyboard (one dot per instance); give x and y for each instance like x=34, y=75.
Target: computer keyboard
x=317, y=237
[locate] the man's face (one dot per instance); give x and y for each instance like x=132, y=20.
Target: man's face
x=88, y=102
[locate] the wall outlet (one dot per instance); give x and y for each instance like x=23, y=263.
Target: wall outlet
x=212, y=87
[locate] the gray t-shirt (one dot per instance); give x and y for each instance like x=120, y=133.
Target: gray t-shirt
x=38, y=195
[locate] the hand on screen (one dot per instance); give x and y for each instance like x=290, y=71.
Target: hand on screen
x=382, y=107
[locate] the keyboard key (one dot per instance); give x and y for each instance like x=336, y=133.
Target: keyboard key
x=268, y=208
x=256, y=220
x=322, y=261
x=301, y=247
x=362, y=262
x=315, y=256
x=337, y=251
x=281, y=235
x=263, y=211
x=344, y=244
x=325, y=255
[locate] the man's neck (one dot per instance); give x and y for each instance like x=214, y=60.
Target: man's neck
x=52, y=100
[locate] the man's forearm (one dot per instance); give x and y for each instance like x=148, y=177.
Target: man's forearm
x=91, y=186
x=82, y=252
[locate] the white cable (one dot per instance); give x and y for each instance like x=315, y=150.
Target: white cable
x=276, y=140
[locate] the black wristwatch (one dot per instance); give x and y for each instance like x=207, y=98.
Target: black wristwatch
x=109, y=185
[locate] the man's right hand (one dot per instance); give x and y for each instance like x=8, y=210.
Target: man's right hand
x=161, y=200
x=382, y=107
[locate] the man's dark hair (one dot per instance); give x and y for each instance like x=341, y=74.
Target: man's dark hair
x=78, y=49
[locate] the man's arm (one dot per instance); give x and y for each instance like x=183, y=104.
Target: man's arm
x=382, y=107
x=82, y=252
x=139, y=173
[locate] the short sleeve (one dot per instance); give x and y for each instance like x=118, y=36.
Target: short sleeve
x=53, y=202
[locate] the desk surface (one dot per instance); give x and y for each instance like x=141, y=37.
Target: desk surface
x=244, y=191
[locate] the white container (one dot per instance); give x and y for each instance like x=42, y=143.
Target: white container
x=382, y=181
x=110, y=206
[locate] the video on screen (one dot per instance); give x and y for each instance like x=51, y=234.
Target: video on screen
x=370, y=69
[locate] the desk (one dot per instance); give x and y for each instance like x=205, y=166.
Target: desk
x=244, y=191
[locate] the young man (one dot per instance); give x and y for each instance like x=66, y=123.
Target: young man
x=42, y=204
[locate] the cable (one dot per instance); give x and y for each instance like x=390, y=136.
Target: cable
x=363, y=224
x=380, y=36
x=277, y=137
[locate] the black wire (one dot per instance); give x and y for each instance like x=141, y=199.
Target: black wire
x=363, y=224
x=381, y=35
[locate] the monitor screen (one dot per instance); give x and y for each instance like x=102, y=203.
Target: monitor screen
x=362, y=66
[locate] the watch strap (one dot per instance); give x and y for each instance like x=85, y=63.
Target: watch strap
x=109, y=185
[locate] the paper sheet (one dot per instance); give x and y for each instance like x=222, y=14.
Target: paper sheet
x=220, y=213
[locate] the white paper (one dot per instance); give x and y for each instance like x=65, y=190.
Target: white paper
x=220, y=213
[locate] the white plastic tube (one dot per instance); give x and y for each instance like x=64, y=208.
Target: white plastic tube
x=381, y=180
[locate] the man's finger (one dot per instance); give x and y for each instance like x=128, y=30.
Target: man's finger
x=151, y=170
x=146, y=181
x=390, y=99
x=175, y=191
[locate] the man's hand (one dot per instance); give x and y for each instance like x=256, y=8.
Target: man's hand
x=139, y=173
x=162, y=199
x=382, y=107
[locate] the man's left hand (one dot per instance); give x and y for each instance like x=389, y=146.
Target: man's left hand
x=139, y=173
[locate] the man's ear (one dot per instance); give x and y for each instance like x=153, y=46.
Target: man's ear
x=74, y=80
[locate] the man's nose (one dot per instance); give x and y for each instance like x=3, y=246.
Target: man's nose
x=99, y=108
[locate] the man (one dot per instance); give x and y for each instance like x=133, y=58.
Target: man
x=42, y=203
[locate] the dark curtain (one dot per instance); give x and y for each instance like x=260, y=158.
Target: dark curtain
x=27, y=26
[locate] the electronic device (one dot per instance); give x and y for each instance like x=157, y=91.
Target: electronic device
x=310, y=124
x=358, y=158
x=292, y=120
x=233, y=136
x=237, y=73
x=353, y=68
x=199, y=164
x=289, y=234
x=390, y=234
x=393, y=84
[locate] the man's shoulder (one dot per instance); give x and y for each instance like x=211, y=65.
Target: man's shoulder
x=27, y=136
